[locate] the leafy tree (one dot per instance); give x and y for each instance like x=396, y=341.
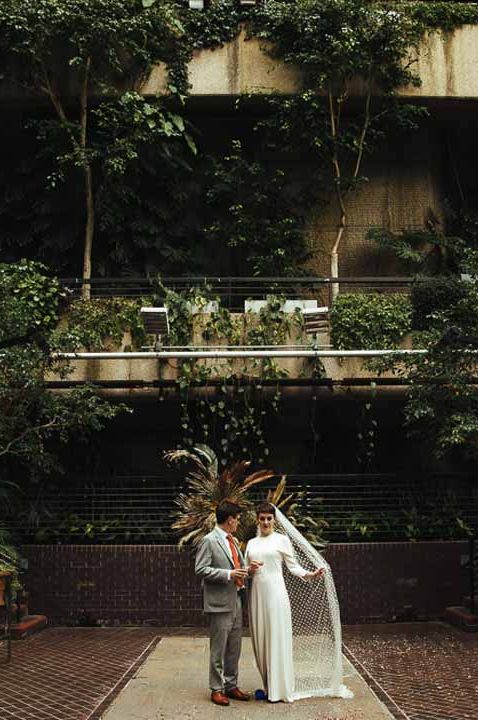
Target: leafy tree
x=429, y=251
x=354, y=56
x=258, y=212
x=71, y=50
x=442, y=403
x=31, y=415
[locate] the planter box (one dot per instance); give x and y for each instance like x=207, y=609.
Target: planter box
x=289, y=306
x=208, y=308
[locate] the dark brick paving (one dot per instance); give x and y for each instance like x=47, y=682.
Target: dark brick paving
x=70, y=674
x=423, y=671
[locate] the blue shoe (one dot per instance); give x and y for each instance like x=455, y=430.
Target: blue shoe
x=260, y=695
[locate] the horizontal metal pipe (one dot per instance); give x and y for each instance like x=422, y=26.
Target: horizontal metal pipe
x=225, y=354
x=219, y=382
x=234, y=280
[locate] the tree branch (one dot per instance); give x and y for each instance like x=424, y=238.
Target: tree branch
x=25, y=433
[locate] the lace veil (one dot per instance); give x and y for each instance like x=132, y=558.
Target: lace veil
x=316, y=630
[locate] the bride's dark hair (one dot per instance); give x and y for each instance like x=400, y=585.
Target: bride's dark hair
x=266, y=507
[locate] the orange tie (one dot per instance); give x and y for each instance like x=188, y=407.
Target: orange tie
x=235, y=559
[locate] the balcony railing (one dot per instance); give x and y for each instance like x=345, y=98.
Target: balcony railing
x=234, y=291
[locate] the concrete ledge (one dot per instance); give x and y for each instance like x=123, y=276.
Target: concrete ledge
x=447, y=65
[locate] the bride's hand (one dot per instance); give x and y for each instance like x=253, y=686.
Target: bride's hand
x=254, y=566
x=320, y=572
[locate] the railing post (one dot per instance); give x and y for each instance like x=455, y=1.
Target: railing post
x=473, y=569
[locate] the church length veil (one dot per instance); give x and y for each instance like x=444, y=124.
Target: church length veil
x=316, y=629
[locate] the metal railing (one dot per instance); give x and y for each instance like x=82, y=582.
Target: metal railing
x=138, y=509
x=233, y=291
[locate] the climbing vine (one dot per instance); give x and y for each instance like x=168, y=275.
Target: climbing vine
x=114, y=45
x=227, y=404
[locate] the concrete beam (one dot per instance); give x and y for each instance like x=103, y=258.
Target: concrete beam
x=447, y=65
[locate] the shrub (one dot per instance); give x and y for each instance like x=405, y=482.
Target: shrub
x=444, y=300
x=369, y=321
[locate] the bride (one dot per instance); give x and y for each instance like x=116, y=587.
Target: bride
x=294, y=619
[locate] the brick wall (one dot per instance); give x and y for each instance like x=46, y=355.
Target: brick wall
x=156, y=583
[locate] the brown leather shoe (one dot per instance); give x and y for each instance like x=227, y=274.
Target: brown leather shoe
x=237, y=694
x=219, y=698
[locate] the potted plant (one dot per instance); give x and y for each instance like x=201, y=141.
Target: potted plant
x=8, y=571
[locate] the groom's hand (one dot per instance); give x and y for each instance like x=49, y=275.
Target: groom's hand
x=240, y=573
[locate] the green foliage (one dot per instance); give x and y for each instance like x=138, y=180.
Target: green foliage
x=429, y=252
x=181, y=309
x=370, y=321
x=442, y=301
x=231, y=417
x=413, y=519
x=126, y=126
x=94, y=45
x=29, y=300
x=444, y=16
x=10, y=564
x=442, y=403
x=336, y=40
x=258, y=213
x=71, y=528
x=139, y=150
x=223, y=326
x=41, y=38
x=217, y=24
x=93, y=324
x=31, y=415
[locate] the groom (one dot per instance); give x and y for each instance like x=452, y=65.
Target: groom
x=220, y=565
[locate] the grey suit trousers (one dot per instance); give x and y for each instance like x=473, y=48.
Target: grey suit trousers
x=225, y=633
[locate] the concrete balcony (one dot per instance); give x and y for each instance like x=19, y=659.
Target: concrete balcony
x=141, y=374
x=447, y=65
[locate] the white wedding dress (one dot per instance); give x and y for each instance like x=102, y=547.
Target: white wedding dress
x=295, y=623
x=270, y=613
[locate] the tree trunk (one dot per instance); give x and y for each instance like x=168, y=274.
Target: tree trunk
x=340, y=192
x=80, y=148
x=89, y=200
x=89, y=232
x=334, y=272
x=334, y=254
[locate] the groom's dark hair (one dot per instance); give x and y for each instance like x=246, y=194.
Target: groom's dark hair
x=226, y=509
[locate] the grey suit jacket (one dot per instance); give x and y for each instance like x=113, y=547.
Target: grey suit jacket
x=212, y=564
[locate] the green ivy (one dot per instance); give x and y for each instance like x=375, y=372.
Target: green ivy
x=370, y=321
x=93, y=324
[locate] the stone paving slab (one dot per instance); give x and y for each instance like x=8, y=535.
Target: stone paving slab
x=172, y=684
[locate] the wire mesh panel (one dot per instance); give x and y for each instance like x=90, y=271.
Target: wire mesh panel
x=139, y=509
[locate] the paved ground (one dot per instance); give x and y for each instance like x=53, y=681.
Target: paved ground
x=430, y=670
x=67, y=674
x=426, y=671
x=172, y=684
